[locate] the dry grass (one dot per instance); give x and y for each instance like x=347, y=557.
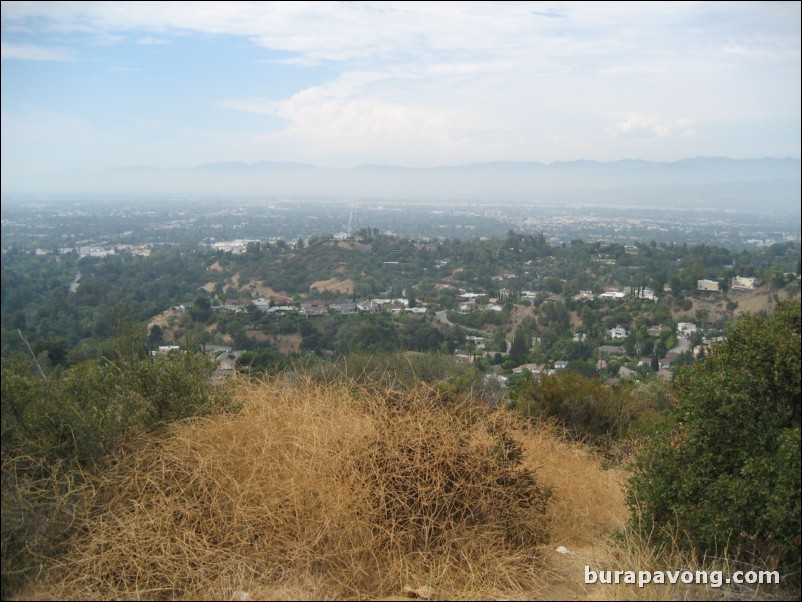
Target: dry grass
x=317, y=491
x=332, y=491
x=335, y=285
x=588, y=503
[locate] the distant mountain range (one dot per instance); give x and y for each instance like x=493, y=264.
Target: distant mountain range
x=713, y=182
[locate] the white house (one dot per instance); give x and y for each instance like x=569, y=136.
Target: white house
x=262, y=303
x=708, y=285
x=742, y=283
x=612, y=295
x=619, y=332
x=686, y=329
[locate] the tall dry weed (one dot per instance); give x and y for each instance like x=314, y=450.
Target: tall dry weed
x=317, y=491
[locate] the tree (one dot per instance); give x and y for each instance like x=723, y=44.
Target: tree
x=201, y=309
x=519, y=350
x=156, y=334
x=725, y=471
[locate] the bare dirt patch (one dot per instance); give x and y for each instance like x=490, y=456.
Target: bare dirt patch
x=262, y=290
x=168, y=321
x=285, y=343
x=359, y=246
x=756, y=301
x=761, y=299
x=288, y=343
x=335, y=285
x=519, y=312
x=258, y=335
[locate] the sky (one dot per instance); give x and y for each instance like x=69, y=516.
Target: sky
x=99, y=85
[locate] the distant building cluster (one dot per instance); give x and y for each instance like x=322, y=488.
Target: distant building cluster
x=236, y=247
x=102, y=251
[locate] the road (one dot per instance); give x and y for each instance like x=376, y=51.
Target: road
x=683, y=344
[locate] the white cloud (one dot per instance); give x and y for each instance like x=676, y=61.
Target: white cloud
x=333, y=127
x=649, y=127
x=34, y=52
x=151, y=41
x=415, y=81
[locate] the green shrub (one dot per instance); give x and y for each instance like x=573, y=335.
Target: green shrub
x=725, y=472
x=59, y=427
x=585, y=406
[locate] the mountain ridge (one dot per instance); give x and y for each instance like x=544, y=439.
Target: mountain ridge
x=635, y=179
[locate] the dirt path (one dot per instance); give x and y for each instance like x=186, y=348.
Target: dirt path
x=568, y=579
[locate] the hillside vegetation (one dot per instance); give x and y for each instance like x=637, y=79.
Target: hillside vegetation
x=136, y=477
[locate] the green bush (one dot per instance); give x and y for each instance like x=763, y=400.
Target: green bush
x=725, y=472
x=585, y=406
x=59, y=427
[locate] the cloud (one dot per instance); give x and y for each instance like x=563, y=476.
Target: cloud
x=649, y=127
x=524, y=80
x=151, y=41
x=325, y=126
x=33, y=52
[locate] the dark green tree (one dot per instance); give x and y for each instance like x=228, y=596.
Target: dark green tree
x=725, y=472
x=519, y=350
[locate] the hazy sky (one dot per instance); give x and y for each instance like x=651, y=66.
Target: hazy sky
x=97, y=85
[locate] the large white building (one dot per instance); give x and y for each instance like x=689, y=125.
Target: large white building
x=619, y=332
x=708, y=285
x=742, y=283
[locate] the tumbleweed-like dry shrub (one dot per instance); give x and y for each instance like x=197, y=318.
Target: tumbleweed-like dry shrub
x=316, y=491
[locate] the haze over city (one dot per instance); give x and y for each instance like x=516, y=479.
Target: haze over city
x=89, y=87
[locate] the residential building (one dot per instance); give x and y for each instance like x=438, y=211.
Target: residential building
x=343, y=307
x=624, y=372
x=613, y=294
x=534, y=369
x=656, y=331
x=708, y=285
x=314, y=308
x=742, y=283
x=619, y=332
